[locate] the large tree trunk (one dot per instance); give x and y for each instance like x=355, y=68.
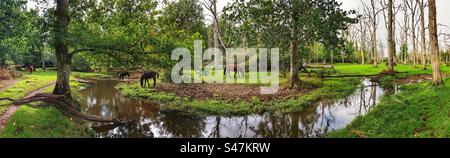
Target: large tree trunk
x=422, y=32
x=294, y=80
x=63, y=58
x=391, y=42
x=437, y=75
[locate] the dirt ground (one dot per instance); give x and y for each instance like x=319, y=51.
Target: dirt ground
x=414, y=79
x=230, y=92
x=4, y=84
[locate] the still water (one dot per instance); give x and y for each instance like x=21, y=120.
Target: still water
x=103, y=99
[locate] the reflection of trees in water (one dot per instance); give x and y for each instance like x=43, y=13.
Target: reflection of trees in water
x=182, y=126
x=314, y=121
x=104, y=100
x=222, y=127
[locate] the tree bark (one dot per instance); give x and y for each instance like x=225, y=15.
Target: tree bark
x=437, y=75
x=391, y=42
x=294, y=80
x=63, y=58
x=363, y=42
x=422, y=32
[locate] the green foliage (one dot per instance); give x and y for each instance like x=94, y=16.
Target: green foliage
x=263, y=24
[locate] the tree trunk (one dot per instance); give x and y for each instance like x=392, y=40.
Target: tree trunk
x=63, y=58
x=294, y=80
x=413, y=31
x=437, y=75
x=391, y=42
x=363, y=43
x=422, y=32
x=374, y=49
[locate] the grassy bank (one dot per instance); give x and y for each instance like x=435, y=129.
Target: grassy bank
x=40, y=122
x=329, y=89
x=48, y=122
x=358, y=69
x=418, y=111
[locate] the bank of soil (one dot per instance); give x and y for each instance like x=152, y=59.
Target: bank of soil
x=228, y=92
x=413, y=79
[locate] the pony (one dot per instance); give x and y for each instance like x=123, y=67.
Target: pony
x=30, y=68
x=238, y=71
x=123, y=75
x=147, y=76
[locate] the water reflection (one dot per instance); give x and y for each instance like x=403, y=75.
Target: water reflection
x=104, y=100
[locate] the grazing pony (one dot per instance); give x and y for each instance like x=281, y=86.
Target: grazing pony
x=238, y=71
x=147, y=76
x=30, y=68
x=123, y=75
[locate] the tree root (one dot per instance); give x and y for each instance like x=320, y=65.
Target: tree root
x=66, y=106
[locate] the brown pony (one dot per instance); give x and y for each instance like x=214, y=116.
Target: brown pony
x=235, y=68
x=30, y=68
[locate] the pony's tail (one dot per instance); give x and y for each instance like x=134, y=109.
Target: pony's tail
x=142, y=81
x=157, y=74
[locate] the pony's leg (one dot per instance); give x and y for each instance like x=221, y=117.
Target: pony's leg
x=145, y=83
x=154, y=82
x=148, y=82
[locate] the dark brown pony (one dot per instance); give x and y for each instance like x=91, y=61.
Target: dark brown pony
x=145, y=78
x=235, y=69
x=123, y=75
x=30, y=68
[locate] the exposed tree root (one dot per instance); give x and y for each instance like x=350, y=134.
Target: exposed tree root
x=66, y=106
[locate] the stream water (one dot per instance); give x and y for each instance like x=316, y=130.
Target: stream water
x=104, y=100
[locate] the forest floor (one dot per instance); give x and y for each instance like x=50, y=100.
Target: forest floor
x=26, y=121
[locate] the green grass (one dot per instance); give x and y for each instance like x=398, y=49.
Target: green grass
x=41, y=122
x=30, y=122
x=418, y=111
x=26, y=84
x=358, y=69
x=329, y=90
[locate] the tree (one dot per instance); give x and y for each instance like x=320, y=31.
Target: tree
x=294, y=25
x=63, y=57
x=422, y=32
x=434, y=44
x=413, y=10
x=404, y=35
x=12, y=30
x=371, y=12
x=391, y=41
x=211, y=6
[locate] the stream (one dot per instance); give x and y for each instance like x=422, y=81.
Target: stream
x=102, y=99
